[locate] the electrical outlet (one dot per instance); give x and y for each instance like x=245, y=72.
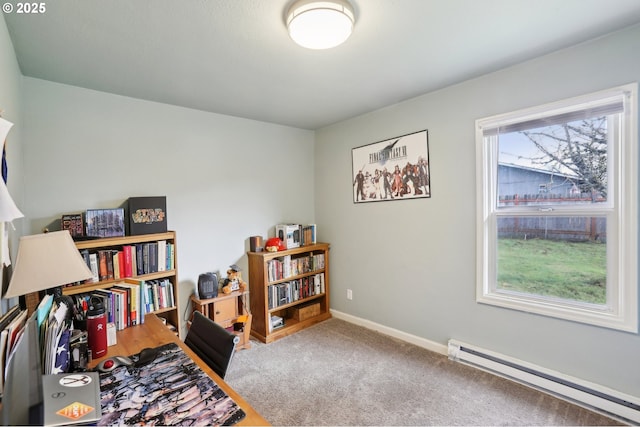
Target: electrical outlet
x=349, y=294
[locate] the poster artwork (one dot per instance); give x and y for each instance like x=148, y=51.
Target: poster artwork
x=394, y=169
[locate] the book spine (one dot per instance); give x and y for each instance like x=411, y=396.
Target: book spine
x=102, y=264
x=146, y=297
x=145, y=258
x=156, y=301
x=128, y=260
x=172, y=297
x=162, y=255
x=153, y=257
x=116, y=311
x=109, y=258
x=93, y=265
x=121, y=266
x=116, y=264
x=140, y=258
x=134, y=303
x=170, y=256
x=107, y=297
x=141, y=301
x=87, y=260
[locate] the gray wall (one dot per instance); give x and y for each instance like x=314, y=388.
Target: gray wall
x=411, y=264
x=225, y=178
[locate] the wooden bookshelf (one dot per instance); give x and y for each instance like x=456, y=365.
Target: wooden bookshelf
x=169, y=314
x=307, y=308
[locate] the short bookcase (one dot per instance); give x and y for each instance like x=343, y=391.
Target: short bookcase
x=169, y=314
x=293, y=285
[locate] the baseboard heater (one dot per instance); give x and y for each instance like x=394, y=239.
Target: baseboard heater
x=592, y=396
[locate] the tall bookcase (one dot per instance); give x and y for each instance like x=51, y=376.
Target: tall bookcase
x=292, y=285
x=170, y=314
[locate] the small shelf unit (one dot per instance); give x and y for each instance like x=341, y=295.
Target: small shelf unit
x=308, y=307
x=229, y=311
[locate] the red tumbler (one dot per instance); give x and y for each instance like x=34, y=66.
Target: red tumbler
x=97, y=328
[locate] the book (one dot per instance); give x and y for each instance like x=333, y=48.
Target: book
x=153, y=257
x=145, y=297
x=102, y=264
x=121, y=264
x=13, y=329
x=142, y=289
x=139, y=259
x=85, y=256
x=162, y=255
x=127, y=259
x=93, y=266
x=8, y=317
x=134, y=261
x=116, y=264
x=122, y=308
x=109, y=260
x=309, y=234
x=170, y=256
x=3, y=346
x=145, y=258
x=276, y=322
x=5, y=321
x=128, y=314
x=134, y=300
x=162, y=294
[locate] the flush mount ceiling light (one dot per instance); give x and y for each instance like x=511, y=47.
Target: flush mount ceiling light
x=318, y=24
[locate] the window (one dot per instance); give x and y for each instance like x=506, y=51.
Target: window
x=557, y=209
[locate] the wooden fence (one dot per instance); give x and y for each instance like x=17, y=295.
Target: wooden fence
x=552, y=227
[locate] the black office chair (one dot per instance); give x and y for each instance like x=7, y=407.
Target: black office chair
x=211, y=342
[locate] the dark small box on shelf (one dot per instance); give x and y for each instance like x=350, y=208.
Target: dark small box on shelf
x=73, y=223
x=146, y=215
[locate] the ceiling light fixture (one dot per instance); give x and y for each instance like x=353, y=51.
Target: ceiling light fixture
x=318, y=24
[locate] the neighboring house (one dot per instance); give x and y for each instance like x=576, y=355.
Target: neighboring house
x=527, y=181
x=522, y=185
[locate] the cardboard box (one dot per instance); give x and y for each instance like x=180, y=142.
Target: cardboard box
x=146, y=215
x=289, y=234
x=306, y=312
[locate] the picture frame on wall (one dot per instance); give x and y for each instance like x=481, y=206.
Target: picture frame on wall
x=393, y=169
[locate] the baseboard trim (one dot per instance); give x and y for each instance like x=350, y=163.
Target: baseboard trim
x=413, y=339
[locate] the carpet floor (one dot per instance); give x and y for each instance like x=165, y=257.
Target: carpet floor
x=338, y=373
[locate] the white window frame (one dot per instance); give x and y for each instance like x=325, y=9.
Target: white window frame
x=621, y=210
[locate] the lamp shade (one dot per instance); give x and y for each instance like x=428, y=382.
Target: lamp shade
x=318, y=24
x=45, y=261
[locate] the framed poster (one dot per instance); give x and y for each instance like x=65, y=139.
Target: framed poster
x=393, y=169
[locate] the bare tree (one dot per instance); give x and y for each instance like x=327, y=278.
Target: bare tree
x=577, y=147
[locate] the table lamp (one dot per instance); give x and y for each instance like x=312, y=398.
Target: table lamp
x=45, y=261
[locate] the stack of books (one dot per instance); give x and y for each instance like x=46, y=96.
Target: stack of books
x=276, y=322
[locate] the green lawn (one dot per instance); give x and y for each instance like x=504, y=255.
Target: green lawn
x=568, y=270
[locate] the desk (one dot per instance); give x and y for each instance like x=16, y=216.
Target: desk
x=153, y=333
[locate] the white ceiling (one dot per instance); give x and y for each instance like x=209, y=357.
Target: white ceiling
x=234, y=57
